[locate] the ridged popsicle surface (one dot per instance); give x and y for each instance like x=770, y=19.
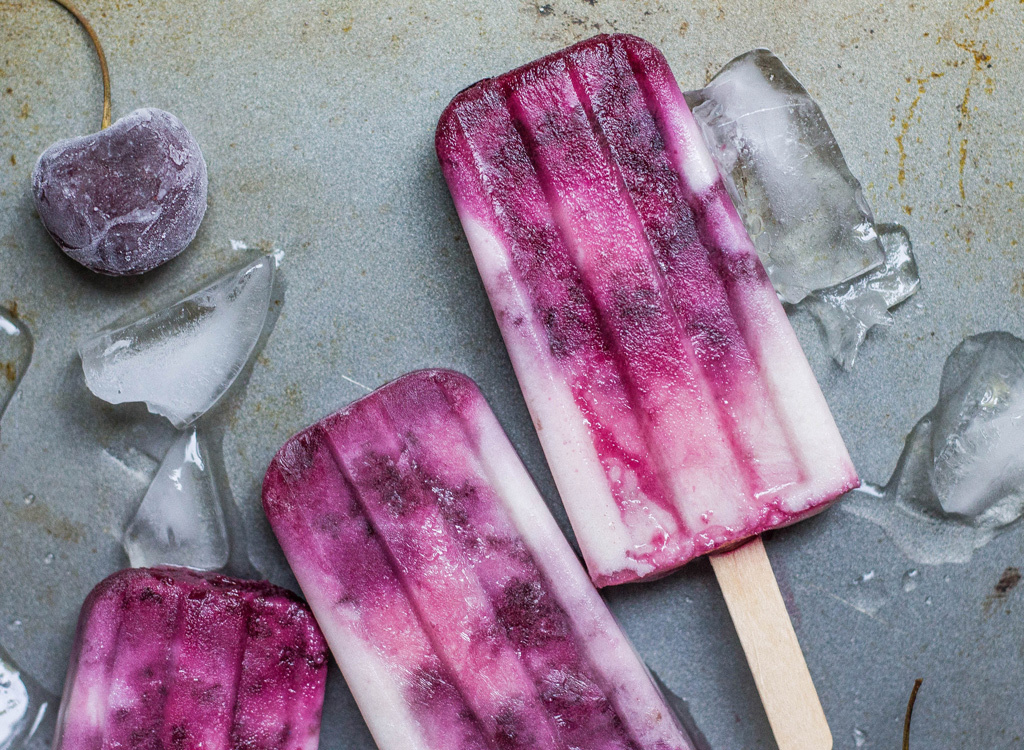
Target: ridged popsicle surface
x=452, y=602
x=674, y=404
x=173, y=658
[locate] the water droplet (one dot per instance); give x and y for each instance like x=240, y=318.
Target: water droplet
x=866, y=577
x=928, y=600
x=14, y=625
x=29, y=499
x=910, y=580
x=48, y=560
x=859, y=738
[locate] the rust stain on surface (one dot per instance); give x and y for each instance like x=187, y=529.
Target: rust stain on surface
x=1007, y=582
x=981, y=59
x=1018, y=284
x=56, y=526
x=901, y=174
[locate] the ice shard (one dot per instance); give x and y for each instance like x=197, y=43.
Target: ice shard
x=180, y=360
x=181, y=519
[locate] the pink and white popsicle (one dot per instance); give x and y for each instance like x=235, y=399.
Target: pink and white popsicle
x=674, y=404
x=173, y=658
x=456, y=609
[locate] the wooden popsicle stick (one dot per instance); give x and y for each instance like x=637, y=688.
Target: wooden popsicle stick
x=773, y=653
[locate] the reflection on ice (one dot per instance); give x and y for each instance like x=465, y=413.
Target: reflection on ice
x=803, y=208
x=181, y=519
x=26, y=709
x=15, y=354
x=960, y=479
x=182, y=359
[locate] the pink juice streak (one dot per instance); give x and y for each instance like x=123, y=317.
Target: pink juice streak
x=454, y=606
x=656, y=360
x=172, y=658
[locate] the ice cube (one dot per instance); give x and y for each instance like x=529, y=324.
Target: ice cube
x=26, y=709
x=847, y=311
x=183, y=358
x=785, y=172
x=15, y=354
x=181, y=519
x=960, y=478
x=978, y=436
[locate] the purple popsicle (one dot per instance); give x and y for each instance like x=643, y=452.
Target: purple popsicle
x=452, y=602
x=173, y=658
x=672, y=399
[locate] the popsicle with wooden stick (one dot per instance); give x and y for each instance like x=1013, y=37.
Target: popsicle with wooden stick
x=676, y=409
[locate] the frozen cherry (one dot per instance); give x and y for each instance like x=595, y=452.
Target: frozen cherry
x=126, y=199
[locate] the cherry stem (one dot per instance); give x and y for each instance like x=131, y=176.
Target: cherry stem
x=910, y=712
x=105, y=122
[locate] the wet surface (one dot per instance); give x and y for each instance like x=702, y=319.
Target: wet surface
x=317, y=126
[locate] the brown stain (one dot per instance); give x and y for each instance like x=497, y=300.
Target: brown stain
x=981, y=59
x=9, y=371
x=1018, y=284
x=1007, y=582
x=901, y=174
x=56, y=526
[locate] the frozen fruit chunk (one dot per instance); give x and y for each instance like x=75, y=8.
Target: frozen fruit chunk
x=126, y=199
x=182, y=359
x=456, y=609
x=181, y=520
x=804, y=210
x=674, y=404
x=15, y=355
x=960, y=479
x=849, y=310
x=171, y=658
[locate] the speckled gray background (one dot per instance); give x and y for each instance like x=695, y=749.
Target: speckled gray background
x=317, y=119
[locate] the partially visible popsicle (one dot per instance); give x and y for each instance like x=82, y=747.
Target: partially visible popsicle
x=452, y=602
x=672, y=399
x=172, y=658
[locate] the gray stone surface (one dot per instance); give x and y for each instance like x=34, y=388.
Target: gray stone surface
x=317, y=120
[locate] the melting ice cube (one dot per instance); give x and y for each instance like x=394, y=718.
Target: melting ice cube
x=960, y=479
x=26, y=709
x=847, y=311
x=15, y=354
x=782, y=166
x=182, y=359
x=978, y=429
x=181, y=519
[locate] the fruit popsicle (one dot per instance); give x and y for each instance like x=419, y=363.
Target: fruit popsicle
x=453, y=604
x=173, y=658
x=674, y=404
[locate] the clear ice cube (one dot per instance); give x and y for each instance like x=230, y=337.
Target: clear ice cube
x=181, y=518
x=15, y=354
x=804, y=210
x=847, y=311
x=26, y=709
x=960, y=478
x=180, y=360
x=978, y=434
